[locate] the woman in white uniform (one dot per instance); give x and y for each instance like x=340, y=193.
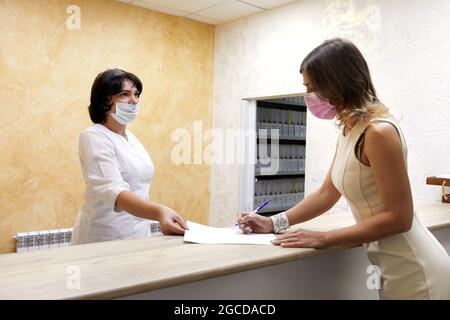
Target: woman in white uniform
x=117, y=169
x=370, y=170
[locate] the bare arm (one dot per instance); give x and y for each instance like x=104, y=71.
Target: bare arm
x=105, y=180
x=312, y=206
x=315, y=203
x=384, y=153
x=170, y=221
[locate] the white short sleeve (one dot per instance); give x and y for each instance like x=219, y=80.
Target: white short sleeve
x=100, y=167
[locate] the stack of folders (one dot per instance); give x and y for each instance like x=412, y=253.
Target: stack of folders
x=289, y=123
x=290, y=157
x=282, y=193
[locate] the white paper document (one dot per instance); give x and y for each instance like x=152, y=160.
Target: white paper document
x=444, y=176
x=200, y=233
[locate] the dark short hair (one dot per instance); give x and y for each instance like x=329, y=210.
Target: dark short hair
x=107, y=84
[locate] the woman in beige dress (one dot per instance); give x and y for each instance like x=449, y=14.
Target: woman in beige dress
x=370, y=170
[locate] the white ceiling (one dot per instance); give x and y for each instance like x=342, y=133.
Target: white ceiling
x=209, y=11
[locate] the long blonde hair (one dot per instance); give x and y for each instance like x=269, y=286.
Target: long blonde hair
x=350, y=116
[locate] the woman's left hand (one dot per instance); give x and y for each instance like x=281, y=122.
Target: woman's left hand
x=302, y=239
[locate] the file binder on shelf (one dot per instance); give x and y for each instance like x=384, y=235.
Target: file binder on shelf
x=284, y=187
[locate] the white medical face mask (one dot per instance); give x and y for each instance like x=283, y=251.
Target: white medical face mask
x=125, y=112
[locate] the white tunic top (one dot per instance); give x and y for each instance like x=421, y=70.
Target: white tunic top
x=110, y=165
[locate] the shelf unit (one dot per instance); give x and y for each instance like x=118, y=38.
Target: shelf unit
x=276, y=158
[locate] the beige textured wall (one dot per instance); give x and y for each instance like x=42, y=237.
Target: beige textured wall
x=46, y=74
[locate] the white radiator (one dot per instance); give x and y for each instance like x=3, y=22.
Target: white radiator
x=155, y=229
x=42, y=240
x=55, y=238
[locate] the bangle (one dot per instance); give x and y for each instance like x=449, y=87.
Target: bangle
x=280, y=222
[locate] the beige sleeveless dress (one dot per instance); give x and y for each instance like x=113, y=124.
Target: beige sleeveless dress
x=413, y=265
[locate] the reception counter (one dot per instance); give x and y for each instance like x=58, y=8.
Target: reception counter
x=142, y=268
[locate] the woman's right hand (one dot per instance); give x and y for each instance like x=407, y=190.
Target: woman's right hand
x=252, y=222
x=171, y=222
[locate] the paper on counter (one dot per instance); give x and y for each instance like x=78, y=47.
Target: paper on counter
x=200, y=233
x=444, y=176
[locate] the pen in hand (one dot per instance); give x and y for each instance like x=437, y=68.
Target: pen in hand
x=256, y=210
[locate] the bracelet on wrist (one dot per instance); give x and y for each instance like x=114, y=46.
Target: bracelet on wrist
x=280, y=222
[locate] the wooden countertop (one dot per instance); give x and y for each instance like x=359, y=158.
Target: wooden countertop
x=118, y=268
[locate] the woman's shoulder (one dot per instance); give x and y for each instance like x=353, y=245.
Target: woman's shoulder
x=384, y=131
x=380, y=129
x=383, y=121
x=95, y=132
x=92, y=130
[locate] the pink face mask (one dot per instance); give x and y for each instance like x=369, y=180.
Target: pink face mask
x=322, y=109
